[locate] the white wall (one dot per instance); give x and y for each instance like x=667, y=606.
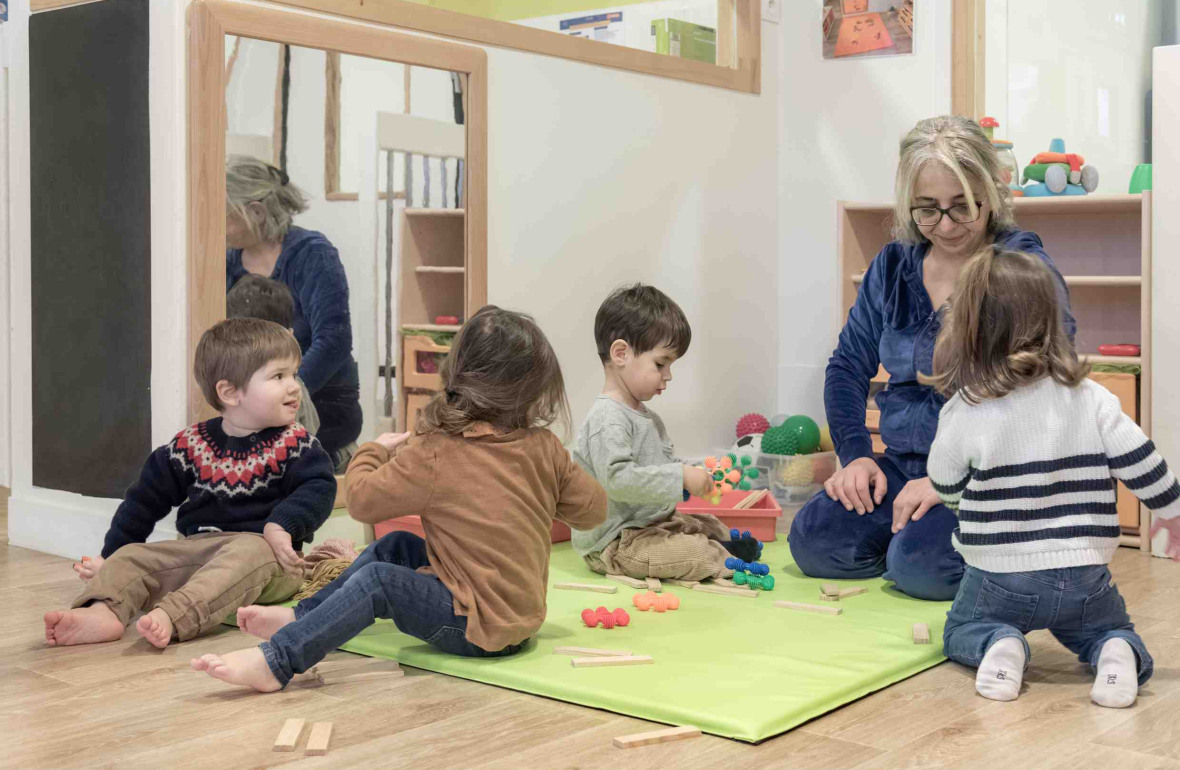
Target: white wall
x=596, y=177
x=1165, y=269
x=1075, y=69
x=5, y=369
x=841, y=122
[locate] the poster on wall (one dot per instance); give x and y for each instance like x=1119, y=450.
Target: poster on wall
x=860, y=28
x=604, y=27
x=3, y=11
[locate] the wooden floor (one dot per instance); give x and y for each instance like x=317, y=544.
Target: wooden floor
x=127, y=704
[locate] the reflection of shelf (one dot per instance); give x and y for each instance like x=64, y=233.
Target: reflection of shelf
x=1094, y=358
x=1071, y=280
x=438, y=269
x=431, y=327
x=1056, y=204
x=436, y=212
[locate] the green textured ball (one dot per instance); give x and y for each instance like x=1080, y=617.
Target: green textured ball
x=779, y=441
x=805, y=432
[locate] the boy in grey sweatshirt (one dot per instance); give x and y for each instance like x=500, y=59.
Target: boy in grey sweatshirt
x=640, y=332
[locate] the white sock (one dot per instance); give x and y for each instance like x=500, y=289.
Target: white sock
x=1002, y=669
x=1117, y=683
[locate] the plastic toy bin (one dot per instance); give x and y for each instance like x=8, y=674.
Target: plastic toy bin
x=795, y=478
x=760, y=519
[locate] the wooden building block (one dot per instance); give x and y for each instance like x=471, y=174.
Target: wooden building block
x=853, y=592
x=829, y=597
x=586, y=587
x=683, y=583
x=317, y=742
x=628, y=581
x=612, y=660
x=750, y=500
x=289, y=735
x=590, y=652
x=655, y=736
x=921, y=633
x=708, y=589
x=830, y=589
x=809, y=608
x=653, y=584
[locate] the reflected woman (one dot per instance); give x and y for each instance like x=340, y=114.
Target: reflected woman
x=261, y=239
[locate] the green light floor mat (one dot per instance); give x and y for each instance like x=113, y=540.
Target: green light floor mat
x=732, y=666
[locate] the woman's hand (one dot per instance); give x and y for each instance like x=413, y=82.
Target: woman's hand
x=914, y=499
x=88, y=567
x=391, y=441
x=279, y=541
x=850, y=485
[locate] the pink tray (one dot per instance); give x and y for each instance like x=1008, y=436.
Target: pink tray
x=560, y=533
x=760, y=520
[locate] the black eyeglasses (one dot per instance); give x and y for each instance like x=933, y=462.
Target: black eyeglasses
x=932, y=215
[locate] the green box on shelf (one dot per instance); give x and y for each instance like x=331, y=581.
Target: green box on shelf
x=685, y=40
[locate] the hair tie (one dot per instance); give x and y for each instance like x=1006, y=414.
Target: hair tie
x=280, y=175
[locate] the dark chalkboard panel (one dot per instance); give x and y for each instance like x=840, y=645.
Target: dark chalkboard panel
x=91, y=279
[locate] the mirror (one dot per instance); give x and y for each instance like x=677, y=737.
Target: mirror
x=377, y=280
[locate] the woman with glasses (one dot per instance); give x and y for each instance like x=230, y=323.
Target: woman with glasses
x=951, y=201
x=260, y=238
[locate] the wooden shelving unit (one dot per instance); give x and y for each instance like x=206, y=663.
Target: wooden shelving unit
x=433, y=281
x=1102, y=246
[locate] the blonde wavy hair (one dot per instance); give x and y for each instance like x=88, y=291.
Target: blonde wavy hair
x=501, y=370
x=960, y=145
x=1003, y=330
x=249, y=180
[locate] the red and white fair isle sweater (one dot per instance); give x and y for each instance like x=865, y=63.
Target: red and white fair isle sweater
x=229, y=484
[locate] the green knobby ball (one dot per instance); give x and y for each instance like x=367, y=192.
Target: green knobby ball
x=779, y=441
x=805, y=431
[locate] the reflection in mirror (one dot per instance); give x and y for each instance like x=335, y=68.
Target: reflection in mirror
x=702, y=30
x=364, y=281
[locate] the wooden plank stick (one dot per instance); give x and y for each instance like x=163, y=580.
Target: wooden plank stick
x=727, y=591
x=809, y=608
x=289, y=735
x=586, y=587
x=654, y=585
x=591, y=652
x=656, y=736
x=830, y=589
x=683, y=583
x=612, y=660
x=317, y=742
x=921, y=633
x=628, y=581
x=750, y=500
x=853, y=592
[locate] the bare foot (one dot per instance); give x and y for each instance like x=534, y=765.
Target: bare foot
x=156, y=627
x=85, y=625
x=263, y=622
x=246, y=667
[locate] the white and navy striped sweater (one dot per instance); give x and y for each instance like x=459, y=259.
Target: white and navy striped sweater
x=1032, y=475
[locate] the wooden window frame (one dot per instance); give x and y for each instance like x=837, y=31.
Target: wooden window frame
x=208, y=23
x=968, y=57
x=739, y=21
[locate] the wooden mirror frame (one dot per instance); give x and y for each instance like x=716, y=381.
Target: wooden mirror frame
x=209, y=21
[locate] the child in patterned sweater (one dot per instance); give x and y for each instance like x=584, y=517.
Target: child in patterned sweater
x=1027, y=453
x=252, y=486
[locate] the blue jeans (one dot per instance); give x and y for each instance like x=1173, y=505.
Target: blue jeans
x=381, y=583
x=828, y=541
x=1080, y=606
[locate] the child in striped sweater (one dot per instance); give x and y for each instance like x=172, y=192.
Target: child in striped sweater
x=1027, y=453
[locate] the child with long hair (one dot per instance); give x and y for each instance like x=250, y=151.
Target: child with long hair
x=1027, y=452
x=487, y=478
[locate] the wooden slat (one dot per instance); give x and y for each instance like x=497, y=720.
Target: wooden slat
x=611, y=660
x=656, y=736
x=289, y=735
x=317, y=741
x=804, y=607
